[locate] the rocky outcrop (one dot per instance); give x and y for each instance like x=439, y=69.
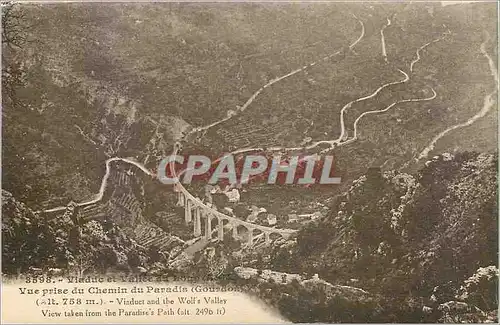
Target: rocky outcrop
x=411, y=238
x=32, y=241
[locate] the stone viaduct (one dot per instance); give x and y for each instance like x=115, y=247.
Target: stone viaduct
x=197, y=212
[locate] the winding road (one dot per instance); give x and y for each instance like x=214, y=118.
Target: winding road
x=340, y=140
x=489, y=101
x=275, y=80
x=353, y=44
x=420, y=49
x=104, y=182
x=434, y=94
x=384, y=52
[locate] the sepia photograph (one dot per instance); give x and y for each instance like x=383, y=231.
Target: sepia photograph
x=249, y=162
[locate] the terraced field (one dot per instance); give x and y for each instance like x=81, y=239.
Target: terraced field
x=149, y=235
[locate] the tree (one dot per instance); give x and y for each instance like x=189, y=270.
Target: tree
x=481, y=289
x=14, y=37
x=12, y=25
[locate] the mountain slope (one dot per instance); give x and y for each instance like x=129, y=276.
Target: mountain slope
x=406, y=237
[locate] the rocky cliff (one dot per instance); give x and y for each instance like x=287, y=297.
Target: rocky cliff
x=412, y=239
x=32, y=242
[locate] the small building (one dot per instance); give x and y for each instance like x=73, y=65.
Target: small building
x=233, y=195
x=271, y=219
x=292, y=218
x=316, y=215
